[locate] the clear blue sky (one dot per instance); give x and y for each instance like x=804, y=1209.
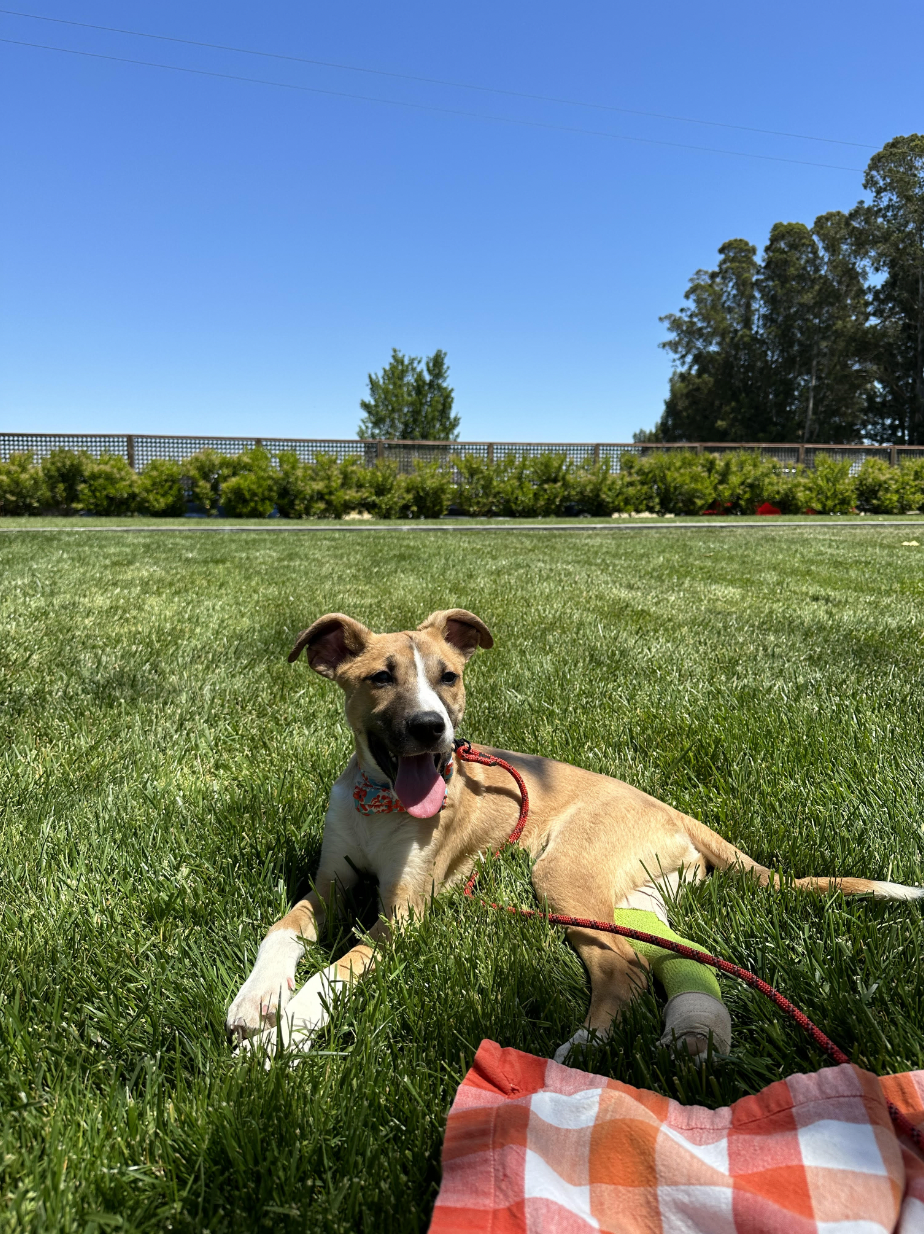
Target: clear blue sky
x=183, y=253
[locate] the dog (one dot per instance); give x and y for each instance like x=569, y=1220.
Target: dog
x=407, y=810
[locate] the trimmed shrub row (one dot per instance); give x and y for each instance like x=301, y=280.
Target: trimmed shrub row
x=249, y=485
x=245, y=485
x=683, y=482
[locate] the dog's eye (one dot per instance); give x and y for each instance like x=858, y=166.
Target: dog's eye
x=449, y=679
x=384, y=678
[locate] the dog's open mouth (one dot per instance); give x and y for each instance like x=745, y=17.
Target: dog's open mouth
x=418, y=778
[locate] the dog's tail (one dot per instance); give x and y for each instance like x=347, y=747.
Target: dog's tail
x=724, y=856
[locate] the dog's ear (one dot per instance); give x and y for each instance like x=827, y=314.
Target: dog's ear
x=460, y=629
x=331, y=640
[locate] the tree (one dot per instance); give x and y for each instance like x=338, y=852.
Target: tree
x=836, y=404
x=824, y=340
x=790, y=295
x=715, y=386
x=813, y=314
x=774, y=351
x=893, y=228
x=410, y=403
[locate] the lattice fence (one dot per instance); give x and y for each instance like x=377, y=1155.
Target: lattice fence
x=40, y=444
x=140, y=448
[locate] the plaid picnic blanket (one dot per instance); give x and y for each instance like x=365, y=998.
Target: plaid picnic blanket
x=532, y=1147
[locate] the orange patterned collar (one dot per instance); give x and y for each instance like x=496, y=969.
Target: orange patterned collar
x=371, y=797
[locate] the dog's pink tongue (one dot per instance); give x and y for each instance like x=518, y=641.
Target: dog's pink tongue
x=419, y=786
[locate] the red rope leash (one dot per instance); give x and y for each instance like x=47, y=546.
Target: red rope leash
x=466, y=753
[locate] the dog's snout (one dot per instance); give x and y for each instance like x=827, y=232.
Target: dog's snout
x=426, y=727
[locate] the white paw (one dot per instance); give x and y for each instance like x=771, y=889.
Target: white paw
x=583, y=1038
x=300, y=1021
x=269, y=987
x=285, y=1036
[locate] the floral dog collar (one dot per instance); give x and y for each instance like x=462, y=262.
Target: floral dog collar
x=370, y=797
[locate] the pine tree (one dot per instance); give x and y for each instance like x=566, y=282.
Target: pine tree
x=813, y=315
x=408, y=402
x=776, y=350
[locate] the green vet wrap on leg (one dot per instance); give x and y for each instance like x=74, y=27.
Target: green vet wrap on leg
x=677, y=975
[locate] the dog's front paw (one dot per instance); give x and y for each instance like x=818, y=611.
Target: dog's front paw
x=300, y=1021
x=258, y=1005
x=286, y=1037
x=583, y=1040
x=267, y=990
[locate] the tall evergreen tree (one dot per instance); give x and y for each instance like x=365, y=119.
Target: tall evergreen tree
x=824, y=339
x=789, y=291
x=776, y=351
x=893, y=228
x=715, y=387
x=838, y=395
x=813, y=314
x=409, y=403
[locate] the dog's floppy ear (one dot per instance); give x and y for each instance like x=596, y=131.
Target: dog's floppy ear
x=331, y=640
x=460, y=628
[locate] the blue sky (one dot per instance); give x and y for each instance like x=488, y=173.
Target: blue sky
x=183, y=253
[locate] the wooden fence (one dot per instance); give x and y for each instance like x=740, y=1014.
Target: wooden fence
x=140, y=448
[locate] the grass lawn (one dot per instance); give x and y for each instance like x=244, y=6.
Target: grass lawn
x=138, y=522
x=165, y=774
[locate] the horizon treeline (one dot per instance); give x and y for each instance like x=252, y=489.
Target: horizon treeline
x=822, y=338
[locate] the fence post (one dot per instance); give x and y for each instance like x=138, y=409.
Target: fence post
x=893, y=456
x=699, y=447
x=258, y=443
x=490, y=453
x=596, y=453
x=800, y=461
x=130, y=449
x=379, y=450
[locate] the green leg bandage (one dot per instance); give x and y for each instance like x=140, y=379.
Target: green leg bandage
x=677, y=975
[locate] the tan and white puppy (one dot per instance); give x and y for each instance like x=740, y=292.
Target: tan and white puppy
x=592, y=839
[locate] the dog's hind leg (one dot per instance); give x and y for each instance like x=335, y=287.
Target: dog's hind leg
x=587, y=870
x=724, y=856
x=617, y=975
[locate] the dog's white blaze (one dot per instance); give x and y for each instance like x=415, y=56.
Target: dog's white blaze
x=896, y=891
x=427, y=697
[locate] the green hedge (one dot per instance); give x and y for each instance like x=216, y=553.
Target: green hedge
x=250, y=485
x=683, y=482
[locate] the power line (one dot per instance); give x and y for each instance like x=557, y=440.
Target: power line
x=446, y=111
x=427, y=107
x=433, y=81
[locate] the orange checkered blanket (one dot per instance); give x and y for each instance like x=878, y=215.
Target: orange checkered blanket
x=532, y=1147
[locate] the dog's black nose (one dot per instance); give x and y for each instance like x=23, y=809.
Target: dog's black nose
x=426, y=727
